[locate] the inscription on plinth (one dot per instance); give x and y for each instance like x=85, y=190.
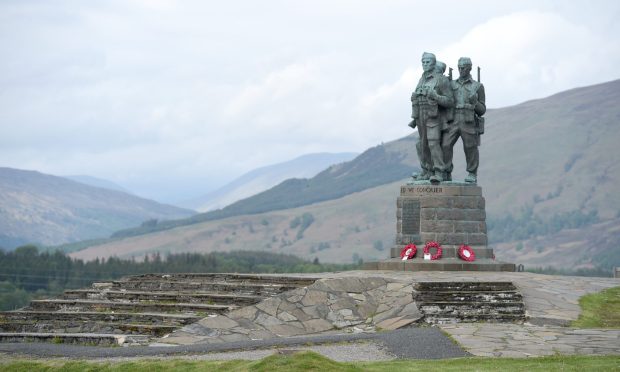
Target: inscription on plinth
x=447, y=190
x=411, y=217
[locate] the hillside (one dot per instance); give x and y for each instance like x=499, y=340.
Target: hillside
x=555, y=155
x=264, y=178
x=97, y=182
x=376, y=166
x=45, y=209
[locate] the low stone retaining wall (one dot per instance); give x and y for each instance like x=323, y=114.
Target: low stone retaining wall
x=344, y=304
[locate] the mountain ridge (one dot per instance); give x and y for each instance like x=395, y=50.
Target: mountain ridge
x=46, y=209
x=263, y=178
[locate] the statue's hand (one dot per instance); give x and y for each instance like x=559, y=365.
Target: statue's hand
x=412, y=124
x=432, y=94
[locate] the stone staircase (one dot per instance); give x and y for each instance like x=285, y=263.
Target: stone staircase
x=453, y=302
x=137, y=308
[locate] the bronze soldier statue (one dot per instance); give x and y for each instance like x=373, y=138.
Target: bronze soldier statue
x=468, y=121
x=430, y=101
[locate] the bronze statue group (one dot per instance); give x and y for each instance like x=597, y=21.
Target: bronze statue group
x=444, y=110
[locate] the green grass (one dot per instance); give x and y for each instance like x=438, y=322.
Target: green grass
x=309, y=361
x=600, y=310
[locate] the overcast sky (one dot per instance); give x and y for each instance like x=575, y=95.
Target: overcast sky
x=173, y=98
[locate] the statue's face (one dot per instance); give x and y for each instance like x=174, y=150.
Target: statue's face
x=464, y=69
x=428, y=64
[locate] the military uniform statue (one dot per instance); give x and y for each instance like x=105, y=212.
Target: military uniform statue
x=430, y=101
x=468, y=121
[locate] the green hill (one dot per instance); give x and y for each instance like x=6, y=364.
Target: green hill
x=376, y=166
x=45, y=209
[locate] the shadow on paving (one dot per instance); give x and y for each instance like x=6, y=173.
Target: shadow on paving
x=408, y=343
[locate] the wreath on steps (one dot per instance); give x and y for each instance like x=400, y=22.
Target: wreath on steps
x=466, y=253
x=433, y=244
x=408, y=252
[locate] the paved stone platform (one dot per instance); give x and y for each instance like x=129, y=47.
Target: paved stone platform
x=551, y=302
x=343, y=302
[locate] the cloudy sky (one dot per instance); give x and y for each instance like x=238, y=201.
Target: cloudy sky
x=171, y=99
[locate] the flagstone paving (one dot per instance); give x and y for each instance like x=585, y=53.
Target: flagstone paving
x=526, y=340
x=367, y=301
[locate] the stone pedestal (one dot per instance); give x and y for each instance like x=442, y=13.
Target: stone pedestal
x=451, y=214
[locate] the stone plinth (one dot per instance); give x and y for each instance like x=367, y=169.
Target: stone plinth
x=450, y=213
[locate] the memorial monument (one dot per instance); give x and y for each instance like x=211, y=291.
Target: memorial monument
x=441, y=223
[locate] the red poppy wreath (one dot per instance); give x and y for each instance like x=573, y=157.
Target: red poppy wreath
x=408, y=252
x=466, y=253
x=435, y=245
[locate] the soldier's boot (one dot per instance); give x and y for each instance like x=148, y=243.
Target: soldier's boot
x=437, y=178
x=471, y=178
x=424, y=176
x=448, y=176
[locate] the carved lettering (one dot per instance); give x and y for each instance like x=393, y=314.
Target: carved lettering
x=410, y=217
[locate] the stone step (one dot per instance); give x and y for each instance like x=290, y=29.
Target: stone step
x=186, y=297
x=141, y=318
x=252, y=289
x=473, y=304
x=464, y=297
x=102, y=305
x=490, y=287
x=459, y=310
x=443, y=264
x=294, y=281
x=86, y=327
x=74, y=338
x=495, y=318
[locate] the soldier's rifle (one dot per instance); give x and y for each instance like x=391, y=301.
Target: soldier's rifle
x=479, y=119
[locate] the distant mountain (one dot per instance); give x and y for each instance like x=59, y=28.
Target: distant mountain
x=45, y=209
x=97, y=182
x=555, y=157
x=264, y=178
x=376, y=166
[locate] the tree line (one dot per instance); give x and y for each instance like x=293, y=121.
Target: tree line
x=526, y=224
x=26, y=273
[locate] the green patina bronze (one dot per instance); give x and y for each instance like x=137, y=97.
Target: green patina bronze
x=444, y=110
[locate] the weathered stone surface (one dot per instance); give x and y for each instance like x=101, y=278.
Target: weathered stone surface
x=317, y=325
x=286, y=330
x=233, y=337
x=218, y=322
x=286, y=316
x=301, y=315
x=394, y=323
x=246, y=312
x=313, y=297
x=267, y=320
x=372, y=283
x=411, y=311
x=394, y=286
x=357, y=296
x=345, y=285
x=366, y=309
x=270, y=305
x=288, y=306
x=260, y=335
x=343, y=303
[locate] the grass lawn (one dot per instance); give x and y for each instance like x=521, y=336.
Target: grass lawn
x=309, y=361
x=600, y=310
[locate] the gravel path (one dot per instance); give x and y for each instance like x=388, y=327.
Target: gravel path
x=408, y=343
